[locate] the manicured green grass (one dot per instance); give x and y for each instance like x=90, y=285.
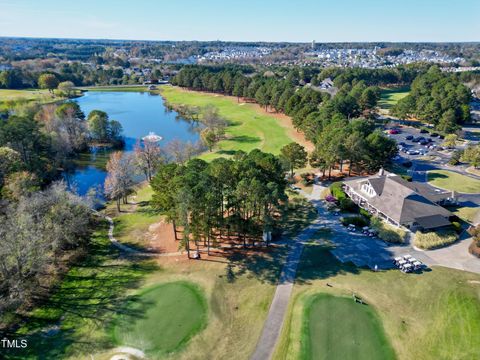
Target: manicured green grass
x=248, y=127
x=426, y=316
x=389, y=97
x=162, y=319
x=450, y=180
x=339, y=328
x=9, y=94
x=69, y=322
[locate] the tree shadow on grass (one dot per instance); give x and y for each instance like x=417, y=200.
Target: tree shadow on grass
x=435, y=176
x=319, y=263
x=89, y=296
x=245, y=139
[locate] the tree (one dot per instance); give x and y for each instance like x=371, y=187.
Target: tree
x=448, y=122
x=20, y=184
x=10, y=161
x=98, y=125
x=48, y=81
x=208, y=138
x=450, y=140
x=471, y=155
x=294, y=156
x=66, y=87
x=148, y=155
x=10, y=79
x=120, y=177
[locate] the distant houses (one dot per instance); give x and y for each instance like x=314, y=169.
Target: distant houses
x=413, y=205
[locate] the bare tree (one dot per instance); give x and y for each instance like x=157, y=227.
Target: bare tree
x=147, y=157
x=120, y=179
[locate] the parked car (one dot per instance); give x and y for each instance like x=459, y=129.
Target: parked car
x=434, y=134
x=409, y=137
x=394, y=131
x=423, y=142
x=402, y=144
x=423, y=131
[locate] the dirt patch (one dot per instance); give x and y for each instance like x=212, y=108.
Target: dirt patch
x=161, y=238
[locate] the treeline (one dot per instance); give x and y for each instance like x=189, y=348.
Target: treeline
x=240, y=197
x=399, y=75
x=76, y=73
x=437, y=98
x=39, y=232
x=319, y=116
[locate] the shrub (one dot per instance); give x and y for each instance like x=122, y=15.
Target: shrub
x=457, y=227
x=308, y=178
x=330, y=198
x=435, y=239
x=474, y=248
x=355, y=220
x=337, y=191
x=365, y=213
x=388, y=233
x=347, y=205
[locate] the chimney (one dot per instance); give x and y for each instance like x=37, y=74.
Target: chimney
x=381, y=172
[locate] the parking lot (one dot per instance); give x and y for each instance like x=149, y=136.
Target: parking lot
x=414, y=143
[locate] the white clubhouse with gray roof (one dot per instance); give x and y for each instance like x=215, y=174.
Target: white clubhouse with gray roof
x=413, y=205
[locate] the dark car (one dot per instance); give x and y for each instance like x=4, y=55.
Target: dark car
x=409, y=137
x=407, y=164
x=423, y=142
x=402, y=144
x=441, y=136
x=423, y=131
x=415, y=139
x=433, y=134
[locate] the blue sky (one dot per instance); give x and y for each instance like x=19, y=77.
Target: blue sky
x=247, y=20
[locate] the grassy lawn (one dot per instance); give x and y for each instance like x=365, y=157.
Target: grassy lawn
x=453, y=181
x=466, y=213
x=170, y=315
x=132, y=225
x=427, y=316
x=248, y=128
x=90, y=313
x=339, y=328
x=389, y=97
x=70, y=321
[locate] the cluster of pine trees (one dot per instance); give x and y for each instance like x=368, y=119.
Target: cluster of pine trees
x=437, y=98
x=239, y=197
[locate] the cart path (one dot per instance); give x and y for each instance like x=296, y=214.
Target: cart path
x=276, y=314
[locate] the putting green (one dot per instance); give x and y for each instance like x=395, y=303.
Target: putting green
x=338, y=328
x=161, y=319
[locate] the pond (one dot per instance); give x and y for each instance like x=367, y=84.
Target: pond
x=139, y=113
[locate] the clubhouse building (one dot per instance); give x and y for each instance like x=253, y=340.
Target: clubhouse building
x=413, y=205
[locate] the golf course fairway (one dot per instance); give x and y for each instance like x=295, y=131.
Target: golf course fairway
x=337, y=328
x=161, y=319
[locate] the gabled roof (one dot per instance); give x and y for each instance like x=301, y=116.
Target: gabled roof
x=402, y=201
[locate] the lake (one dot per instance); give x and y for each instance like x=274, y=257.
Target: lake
x=139, y=113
